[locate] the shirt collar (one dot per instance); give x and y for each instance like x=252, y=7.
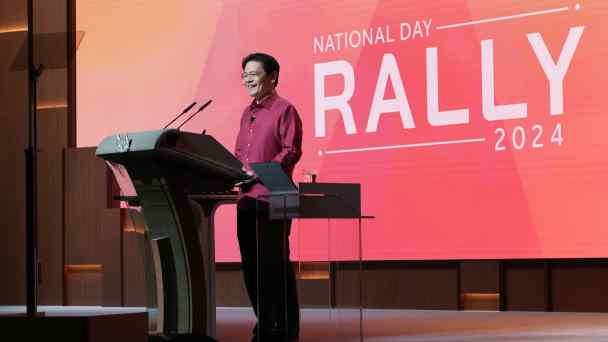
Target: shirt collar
x=266, y=102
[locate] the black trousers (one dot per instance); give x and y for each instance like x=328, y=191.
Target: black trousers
x=268, y=273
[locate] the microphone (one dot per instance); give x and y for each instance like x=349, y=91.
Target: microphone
x=195, y=113
x=252, y=118
x=180, y=114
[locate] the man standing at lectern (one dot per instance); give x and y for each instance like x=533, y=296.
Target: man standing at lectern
x=270, y=131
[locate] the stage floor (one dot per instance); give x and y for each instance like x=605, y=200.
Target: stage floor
x=235, y=324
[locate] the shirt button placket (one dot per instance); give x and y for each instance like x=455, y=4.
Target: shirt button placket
x=250, y=137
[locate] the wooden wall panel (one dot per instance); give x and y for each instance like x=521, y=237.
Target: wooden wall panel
x=50, y=227
x=53, y=123
x=134, y=244
x=480, y=285
x=49, y=16
x=230, y=286
x=13, y=13
x=526, y=286
x=315, y=293
x=52, y=138
x=92, y=231
x=110, y=256
x=400, y=285
x=52, y=135
x=52, y=89
x=579, y=285
x=575, y=285
x=84, y=287
x=85, y=201
x=13, y=115
x=231, y=292
x=479, y=276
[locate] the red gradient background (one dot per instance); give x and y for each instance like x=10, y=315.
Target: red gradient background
x=141, y=62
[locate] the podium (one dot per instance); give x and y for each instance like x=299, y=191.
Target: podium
x=178, y=179
x=165, y=167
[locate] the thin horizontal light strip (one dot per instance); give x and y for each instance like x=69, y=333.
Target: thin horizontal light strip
x=51, y=106
x=13, y=29
x=313, y=277
x=133, y=230
x=84, y=268
x=481, y=296
x=392, y=147
x=515, y=16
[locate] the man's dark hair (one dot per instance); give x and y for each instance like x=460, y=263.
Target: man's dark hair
x=269, y=63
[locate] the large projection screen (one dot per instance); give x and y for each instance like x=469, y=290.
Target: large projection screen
x=476, y=128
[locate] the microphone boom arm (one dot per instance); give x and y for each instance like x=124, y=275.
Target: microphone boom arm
x=196, y=113
x=180, y=115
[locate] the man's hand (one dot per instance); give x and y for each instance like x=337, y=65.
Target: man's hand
x=247, y=183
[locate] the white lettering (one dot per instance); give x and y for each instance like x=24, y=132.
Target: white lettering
x=556, y=72
x=492, y=111
x=434, y=115
x=339, y=102
x=389, y=71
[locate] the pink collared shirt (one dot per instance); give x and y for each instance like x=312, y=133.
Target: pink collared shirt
x=270, y=131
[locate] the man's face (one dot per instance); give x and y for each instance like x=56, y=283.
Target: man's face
x=256, y=80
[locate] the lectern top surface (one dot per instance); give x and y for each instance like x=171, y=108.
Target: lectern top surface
x=274, y=178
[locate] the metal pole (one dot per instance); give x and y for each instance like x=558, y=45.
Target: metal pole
x=30, y=175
